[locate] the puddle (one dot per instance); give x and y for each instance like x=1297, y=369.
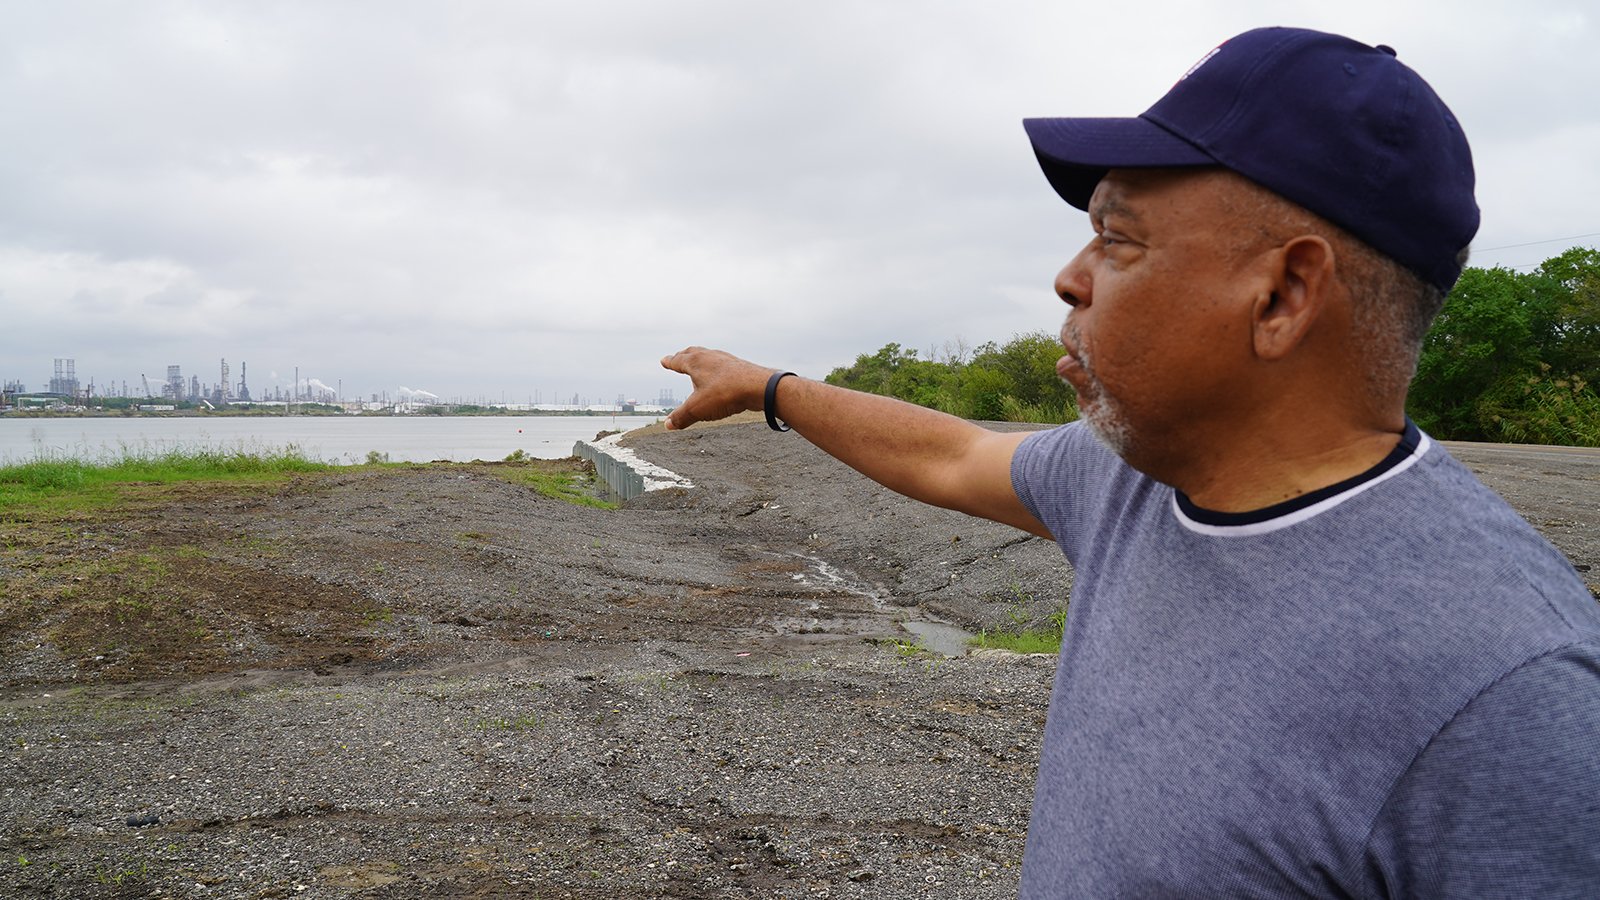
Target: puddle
x=932, y=635
x=821, y=574
x=939, y=637
x=813, y=625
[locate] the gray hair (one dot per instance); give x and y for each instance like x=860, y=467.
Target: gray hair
x=1393, y=309
x=1391, y=306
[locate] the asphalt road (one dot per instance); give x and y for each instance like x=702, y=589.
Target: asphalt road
x=1528, y=452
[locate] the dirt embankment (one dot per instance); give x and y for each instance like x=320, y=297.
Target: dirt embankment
x=431, y=681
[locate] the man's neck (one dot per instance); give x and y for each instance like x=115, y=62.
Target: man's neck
x=1277, y=466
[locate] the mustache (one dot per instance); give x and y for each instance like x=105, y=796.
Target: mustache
x=1072, y=341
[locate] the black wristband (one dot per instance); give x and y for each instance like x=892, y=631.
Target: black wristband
x=770, y=404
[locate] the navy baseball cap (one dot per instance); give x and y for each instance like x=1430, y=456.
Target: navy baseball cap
x=1343, y=129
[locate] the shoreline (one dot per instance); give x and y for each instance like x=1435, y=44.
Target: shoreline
x=258, y=414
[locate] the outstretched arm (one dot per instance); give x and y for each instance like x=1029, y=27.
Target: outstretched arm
x=921, y=453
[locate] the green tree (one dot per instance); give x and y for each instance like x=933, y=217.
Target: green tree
x=1512, y=356
x=922, y=381
x=1014, y=382
x=1482, y=336
x=1029, y=364
x=1574, y=280
x=982, y=393
x=871, y=373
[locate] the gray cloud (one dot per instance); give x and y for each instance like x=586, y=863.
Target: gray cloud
x=525, y=196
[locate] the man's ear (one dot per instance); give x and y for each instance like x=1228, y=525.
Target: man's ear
x=1301, y=291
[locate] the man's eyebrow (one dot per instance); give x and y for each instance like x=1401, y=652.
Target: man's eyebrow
x=1111, y=206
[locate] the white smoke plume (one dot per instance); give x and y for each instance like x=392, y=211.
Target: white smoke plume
x=409, y=394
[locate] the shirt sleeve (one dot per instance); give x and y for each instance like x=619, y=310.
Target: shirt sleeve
x=1505, y=801
x=1058, y=475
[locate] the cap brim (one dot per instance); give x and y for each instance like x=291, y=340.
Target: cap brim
x=1076, y=153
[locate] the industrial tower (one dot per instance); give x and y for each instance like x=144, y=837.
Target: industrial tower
x=66, y=378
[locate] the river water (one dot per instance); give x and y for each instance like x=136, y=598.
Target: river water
x=338, y=439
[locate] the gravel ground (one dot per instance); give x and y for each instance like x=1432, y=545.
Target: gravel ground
x=432, y=681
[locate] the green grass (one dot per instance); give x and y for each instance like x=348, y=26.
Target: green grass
x=503, y=723
x=55, y=483
x=1045, y=639
x=571, y=487
x=909, y=649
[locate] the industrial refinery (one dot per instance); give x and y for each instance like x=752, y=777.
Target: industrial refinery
x=65, y=392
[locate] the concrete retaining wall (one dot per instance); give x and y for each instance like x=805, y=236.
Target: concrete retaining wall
x=626, y=474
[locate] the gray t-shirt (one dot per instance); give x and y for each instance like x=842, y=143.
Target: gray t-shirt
x=1390, y=688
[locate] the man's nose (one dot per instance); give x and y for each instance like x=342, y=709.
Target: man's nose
x=1072, y=282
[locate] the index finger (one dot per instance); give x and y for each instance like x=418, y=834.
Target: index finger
x=675, y=361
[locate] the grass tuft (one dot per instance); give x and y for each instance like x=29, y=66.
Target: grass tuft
x=58, y=483
x=1044, y=639
x=570, y=487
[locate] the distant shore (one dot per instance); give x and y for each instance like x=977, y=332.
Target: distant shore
x=313, y=411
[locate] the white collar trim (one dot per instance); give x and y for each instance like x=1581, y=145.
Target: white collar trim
x=1304, y=513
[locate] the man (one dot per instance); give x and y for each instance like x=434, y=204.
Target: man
x=1307, y=654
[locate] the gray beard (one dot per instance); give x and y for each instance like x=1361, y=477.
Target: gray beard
x=1108, y=424
x=1103, y=415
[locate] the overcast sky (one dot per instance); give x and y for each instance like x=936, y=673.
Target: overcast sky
x=503, y=198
